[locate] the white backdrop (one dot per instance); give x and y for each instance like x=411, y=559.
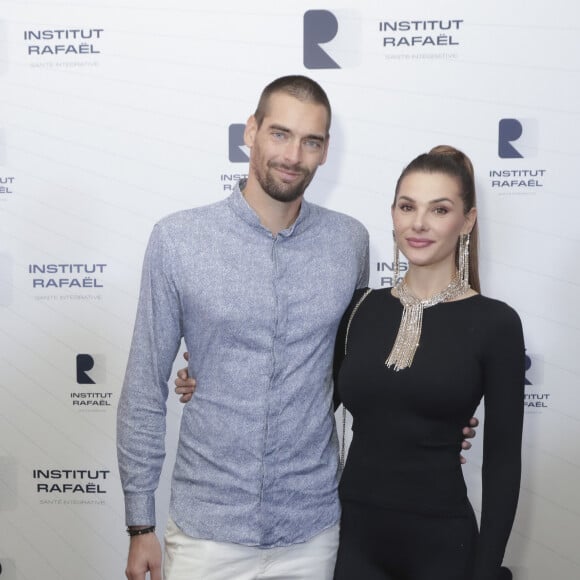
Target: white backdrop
x=114, y=114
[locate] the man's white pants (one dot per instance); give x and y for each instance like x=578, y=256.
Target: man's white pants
x=193, y=559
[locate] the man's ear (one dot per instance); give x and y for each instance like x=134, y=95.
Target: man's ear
x=250, y=131
x=326, y=144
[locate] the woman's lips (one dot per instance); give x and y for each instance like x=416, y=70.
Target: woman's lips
x=419, y=242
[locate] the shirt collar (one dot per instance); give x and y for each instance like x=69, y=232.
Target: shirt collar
x=244, y=211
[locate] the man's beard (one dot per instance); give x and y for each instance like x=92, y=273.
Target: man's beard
x=283, y=191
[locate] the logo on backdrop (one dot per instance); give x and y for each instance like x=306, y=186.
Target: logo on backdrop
x=7, y=181
x=7, y=184
x=90, y=370
x=236, y=146
x=528, y=367
x=320, y=27
x=420, y=39
x=517, y=141
x=85, y=363
x=510, y=130
x=66, y=281
x=535, y=399
x=386, y=270
x=63, y=47
x=71, y=486
x=332, y=40
x=237, y=153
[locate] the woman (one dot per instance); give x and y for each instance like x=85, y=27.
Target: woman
x=413, y=363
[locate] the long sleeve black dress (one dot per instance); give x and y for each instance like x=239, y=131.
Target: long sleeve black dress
x=407, y=425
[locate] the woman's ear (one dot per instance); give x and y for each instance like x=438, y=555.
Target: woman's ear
x=470, y=219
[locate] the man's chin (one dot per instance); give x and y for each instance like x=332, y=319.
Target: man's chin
x=285, y=196
x=286, y=193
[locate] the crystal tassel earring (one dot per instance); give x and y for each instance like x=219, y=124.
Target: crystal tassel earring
x=463, y=260
x=396, y=264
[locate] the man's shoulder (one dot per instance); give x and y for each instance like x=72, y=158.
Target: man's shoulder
x=186, y=218
x=340, y=221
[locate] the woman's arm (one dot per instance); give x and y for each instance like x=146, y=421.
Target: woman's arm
x=504, y=377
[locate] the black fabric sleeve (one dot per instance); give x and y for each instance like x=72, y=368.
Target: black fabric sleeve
x=504, y=378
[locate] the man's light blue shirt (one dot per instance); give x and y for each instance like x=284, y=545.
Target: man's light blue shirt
x=257, y=454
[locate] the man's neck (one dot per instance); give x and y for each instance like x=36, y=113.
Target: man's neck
x=274, y=215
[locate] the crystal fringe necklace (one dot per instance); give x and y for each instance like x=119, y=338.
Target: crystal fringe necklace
x=407, y=340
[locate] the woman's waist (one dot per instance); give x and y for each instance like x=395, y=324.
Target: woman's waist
x=429, y=479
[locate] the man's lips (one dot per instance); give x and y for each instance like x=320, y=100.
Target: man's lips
x=287, y=172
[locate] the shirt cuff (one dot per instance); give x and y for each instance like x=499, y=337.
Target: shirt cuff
x=139, y=509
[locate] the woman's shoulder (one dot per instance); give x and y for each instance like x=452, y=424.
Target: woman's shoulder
x=496, y=306
x=495, y=314
x=369, y=295
x=371, y=302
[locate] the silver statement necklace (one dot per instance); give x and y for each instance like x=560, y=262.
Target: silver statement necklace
x=409, y=333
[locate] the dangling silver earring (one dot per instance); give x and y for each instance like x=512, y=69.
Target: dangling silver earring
x=396, y=264
x=463, y=260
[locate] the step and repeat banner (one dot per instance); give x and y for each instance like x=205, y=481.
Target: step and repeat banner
x=114, y=114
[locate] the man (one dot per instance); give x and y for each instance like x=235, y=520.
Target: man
x=256, y=285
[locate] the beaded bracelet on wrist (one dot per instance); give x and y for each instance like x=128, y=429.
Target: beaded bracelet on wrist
x=141, y=531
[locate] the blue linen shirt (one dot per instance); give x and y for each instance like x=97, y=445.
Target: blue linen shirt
x=257, y=454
